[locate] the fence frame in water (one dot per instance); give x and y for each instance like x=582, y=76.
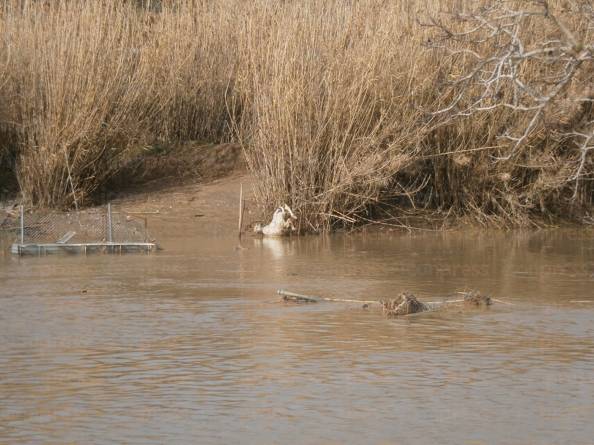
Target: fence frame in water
x=62, y=245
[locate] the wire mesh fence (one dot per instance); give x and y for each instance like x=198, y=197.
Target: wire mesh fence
x=100, y=225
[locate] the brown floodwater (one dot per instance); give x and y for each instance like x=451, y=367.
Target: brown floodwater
x=191, y=345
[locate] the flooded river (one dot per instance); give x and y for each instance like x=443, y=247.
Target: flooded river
x=191, y=345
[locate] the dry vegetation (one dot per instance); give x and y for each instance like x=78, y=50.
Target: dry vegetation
x=343, y=108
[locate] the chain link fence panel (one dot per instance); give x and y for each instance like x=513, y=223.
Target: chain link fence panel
x=100, y=225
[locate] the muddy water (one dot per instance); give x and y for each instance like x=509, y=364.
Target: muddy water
x=192, y=346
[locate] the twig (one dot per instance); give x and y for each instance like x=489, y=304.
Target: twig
x=492, y=299
x=502, y=302
x=70, y=180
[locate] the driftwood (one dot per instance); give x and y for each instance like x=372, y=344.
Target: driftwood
x=404, y=304
x=300, y=298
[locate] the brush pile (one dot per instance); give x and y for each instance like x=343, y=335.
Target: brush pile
x=404, y=304
x=476, y=299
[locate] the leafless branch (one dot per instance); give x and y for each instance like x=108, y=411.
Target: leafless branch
x=503, y=67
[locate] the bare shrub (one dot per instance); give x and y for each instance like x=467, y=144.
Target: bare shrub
x=348, y=111
x=517, y=118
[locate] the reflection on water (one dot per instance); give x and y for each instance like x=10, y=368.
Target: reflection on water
x=192, y=346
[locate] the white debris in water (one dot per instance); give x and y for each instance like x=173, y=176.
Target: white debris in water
x=282, y=223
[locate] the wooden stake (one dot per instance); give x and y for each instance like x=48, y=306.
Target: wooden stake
x=240, y=209
x=22, y=222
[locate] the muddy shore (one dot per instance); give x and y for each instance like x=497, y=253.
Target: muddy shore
x=194, y=189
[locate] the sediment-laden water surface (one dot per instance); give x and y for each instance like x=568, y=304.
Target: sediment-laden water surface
x=191, y=345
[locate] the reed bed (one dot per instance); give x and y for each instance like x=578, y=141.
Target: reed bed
x=90, y=84
x=334, y=103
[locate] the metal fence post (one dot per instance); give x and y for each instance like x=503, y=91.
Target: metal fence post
x=22, y=224
x=109, y=225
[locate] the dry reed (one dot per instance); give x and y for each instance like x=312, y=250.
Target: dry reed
x=88, y=84
x=331, y=101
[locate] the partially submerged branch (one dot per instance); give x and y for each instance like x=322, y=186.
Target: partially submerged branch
x=404, y=303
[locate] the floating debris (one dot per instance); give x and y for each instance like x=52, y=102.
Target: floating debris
x=403, y=304
x=300, y=298
x=282, y=223
x=296, y=298
x=476, y=299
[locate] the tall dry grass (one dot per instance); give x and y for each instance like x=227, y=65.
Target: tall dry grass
x=87, y=84
x=330, y=99
x=341, y=118
x=332, y=117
